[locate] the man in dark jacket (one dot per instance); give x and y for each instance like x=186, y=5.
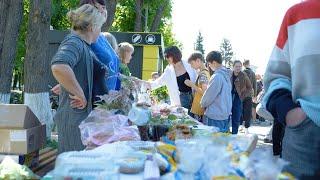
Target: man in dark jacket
x=251, y=75
x=247, y=103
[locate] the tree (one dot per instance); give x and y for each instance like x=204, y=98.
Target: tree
x=36, y=64
x=111, y=6
x=159, y=14
x=226, y=52
x=4, y=4
x=199, y=43
x=9, y=32
x=129, y=15
x=21, y=49
x=138, y=18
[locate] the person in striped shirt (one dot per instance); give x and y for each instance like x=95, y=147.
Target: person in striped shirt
x=293, y=87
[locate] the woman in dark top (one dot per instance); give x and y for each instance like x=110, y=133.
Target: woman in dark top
x=72, y=66
x=175, y=77
x=185, y=91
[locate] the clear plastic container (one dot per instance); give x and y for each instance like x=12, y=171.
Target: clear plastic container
x=109, y=172
x=85, y=165
x=82, y=157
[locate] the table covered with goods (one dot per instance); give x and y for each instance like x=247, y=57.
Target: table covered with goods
x=147, y=139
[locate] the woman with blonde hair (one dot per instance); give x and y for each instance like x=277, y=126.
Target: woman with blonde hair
x=72, y=66
x=125, y=51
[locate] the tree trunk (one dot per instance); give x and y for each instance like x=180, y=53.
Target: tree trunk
x=158, y=16
x=9, y=45
x=138, y=22
x=37, y=64
x=4, y=4
x=111, y=6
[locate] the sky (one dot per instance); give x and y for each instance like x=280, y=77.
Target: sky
x=251, y=26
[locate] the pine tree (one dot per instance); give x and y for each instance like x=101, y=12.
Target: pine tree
x=199, y=44
x=226, y=52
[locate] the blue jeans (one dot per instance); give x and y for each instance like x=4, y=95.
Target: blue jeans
x=236, y=112
x=223, y=125
x=301, y=148
x=186, y=100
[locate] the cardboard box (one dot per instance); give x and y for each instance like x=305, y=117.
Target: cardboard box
x=30, y=160
x=18, y=116
x=22, y=141
x=20, y=130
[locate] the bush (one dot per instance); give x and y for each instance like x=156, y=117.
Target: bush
x=16, y=97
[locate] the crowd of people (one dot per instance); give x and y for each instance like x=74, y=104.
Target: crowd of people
x=88, y=64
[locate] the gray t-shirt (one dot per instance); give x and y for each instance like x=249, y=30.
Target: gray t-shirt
x=76, y=53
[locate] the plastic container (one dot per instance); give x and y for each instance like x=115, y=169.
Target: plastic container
x=132, y=163
x=82, y=158
x=92, y=172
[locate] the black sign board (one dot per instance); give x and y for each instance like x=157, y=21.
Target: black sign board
x=138, y=38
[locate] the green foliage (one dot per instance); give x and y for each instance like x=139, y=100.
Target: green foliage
x=168, y=36
x=52, y=143
x=124, y=17
x=16, y=97
x=59, y=9
x=199, y=43
x=125, y=14
x=160, y=94
x=227, y=53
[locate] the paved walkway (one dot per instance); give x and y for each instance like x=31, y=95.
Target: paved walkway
x=261, y=129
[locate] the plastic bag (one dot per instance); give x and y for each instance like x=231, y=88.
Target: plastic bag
x=263, y=165
x=118, y=101
x=9, y=169
x=101, y=127
x=217, y=162
x=191, y=154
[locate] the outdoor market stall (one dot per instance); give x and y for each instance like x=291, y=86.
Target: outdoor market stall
x=148, y=139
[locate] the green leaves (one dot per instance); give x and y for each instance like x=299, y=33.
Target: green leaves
x=160, y=94
x=60, y=8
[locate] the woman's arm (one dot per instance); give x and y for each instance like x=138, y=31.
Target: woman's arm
x=200, y=90
x=66, y=78
x=161, y=81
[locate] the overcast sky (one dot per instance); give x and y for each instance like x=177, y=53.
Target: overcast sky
x=251, y=25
